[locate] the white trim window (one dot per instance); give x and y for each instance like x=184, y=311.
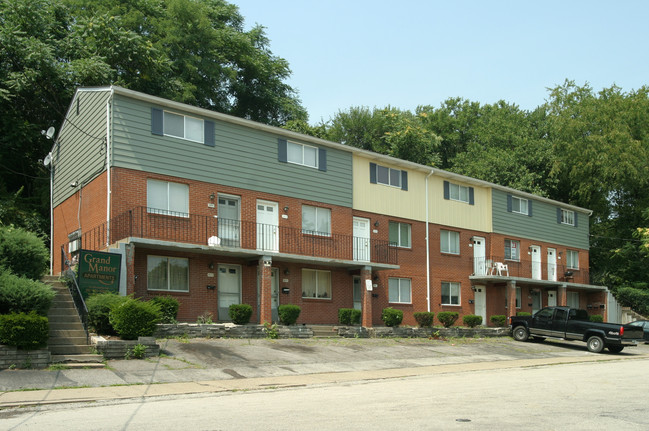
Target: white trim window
x=567, y=217
x=449, y=241
x=167, y=273
x=183, y=127
x=316, y=220
x=512, y=249
x=459, y=193
x=399, y=234
x=572, y=259
x=400, y=290
x=163, y=197
x=316, y=284
x=301, y=154
x=388, y=176
x=519, y=205
x=450, y=293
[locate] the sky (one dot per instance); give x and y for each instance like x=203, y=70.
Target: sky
x=406, y=53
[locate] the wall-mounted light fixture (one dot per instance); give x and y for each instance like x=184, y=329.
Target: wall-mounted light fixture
x=285, y=209
x=212, y=196
x=286, y=271
x=211, y=265
x=376, y=223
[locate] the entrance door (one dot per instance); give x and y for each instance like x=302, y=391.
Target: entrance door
x=229, y=291
x=229, y=220
x=358, y=301
x=479, y=263
x=274, y=295
x=361, y=239
x=552, y=298
x=536, y=301
x=552, y=264
x=267, y=226
x=536, y=262
x=480, y=298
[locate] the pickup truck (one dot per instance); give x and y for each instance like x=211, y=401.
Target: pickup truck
x=573, y=324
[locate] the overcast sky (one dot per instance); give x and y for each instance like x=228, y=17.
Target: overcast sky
x=406, y=53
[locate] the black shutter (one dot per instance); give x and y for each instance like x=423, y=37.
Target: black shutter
x=529, y=208
x=447, y=192
x=373, y=173
x=509, y=203
x=322, y=159
x=156, y=121
x=404, y=180
x=471, y=199
x=559, y=215
x=575, y=219
x=281, y=150
x=208, y=132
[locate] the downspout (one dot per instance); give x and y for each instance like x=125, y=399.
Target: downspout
x=108, y=179
x=427, y=247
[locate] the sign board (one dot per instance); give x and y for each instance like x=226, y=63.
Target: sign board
x=99, y=272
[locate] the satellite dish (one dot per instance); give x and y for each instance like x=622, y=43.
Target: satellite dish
x=50, y=133
x=48, y=159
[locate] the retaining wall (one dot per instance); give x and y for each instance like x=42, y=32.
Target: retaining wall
x=11, y=357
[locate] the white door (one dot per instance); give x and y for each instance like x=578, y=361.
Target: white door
x=536, y=262
x=479, y=263
x=480, y=303
x=552, y=298
x=552, y=264
x=267, y=226
x=361, y=239
x=229, y=220
x=357, y=293
x=229, y=290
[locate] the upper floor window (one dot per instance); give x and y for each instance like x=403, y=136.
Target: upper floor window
x=572, y=259
x=399, y=234
x=182, y=126
x=167, y=198
x=512, y=249
x=567, y=217
x=302, y=154
x=388, y=176
x=400, y=290
x=316, y=220
x=519, y=205
x=456, y=192
x=450, y=242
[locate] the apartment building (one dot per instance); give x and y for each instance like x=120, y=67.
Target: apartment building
x=216, y=210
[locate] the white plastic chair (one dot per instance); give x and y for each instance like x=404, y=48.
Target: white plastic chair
x=501, y=267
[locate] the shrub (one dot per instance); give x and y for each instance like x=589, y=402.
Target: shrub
x=240, y=313
x=288, y=313
x=349, y=316
x=134, y=318
x=168, y=307
x=206, y=318
x=523, y=313
x=99, y=307
x=137, y=352
x=22, y=295
x=597, y=318
x=637, y=299
x=498, y=319
x=424, y=318
x=447, y=318
x=272, y=333
x=472, y=320
x=24, y=331
x=23, y=253
x=391, y=317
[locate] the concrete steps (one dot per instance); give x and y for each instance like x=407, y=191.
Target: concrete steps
x=324, y=331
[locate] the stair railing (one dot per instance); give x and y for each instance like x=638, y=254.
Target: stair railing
x=75, y=291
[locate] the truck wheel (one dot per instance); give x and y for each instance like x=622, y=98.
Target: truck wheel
x=520, y=333
x=615, y=349
x=595, y=344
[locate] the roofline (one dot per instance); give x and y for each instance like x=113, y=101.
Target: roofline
x=323, y=142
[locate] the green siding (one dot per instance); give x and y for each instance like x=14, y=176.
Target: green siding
x=541, y=226
x=242, y=157
x=80, y=153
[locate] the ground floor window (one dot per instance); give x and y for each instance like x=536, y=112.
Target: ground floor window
x=450, y=293
x=316, y=284
x=518, y=297
x=573, y=300
x=400, y=290
x=167, y=273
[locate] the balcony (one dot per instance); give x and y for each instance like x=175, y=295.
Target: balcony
x=498, y=266
x=147, y=223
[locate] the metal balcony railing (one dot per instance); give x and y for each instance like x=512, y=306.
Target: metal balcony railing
x=525, y=268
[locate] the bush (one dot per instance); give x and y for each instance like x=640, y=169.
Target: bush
x=523, y=313
x=288, y=313
x=424, y=318
x=447, y=318
x=24, y=331
x=134, y=318
x=391, y=317
x=597, y=318
x=472, y=320
x=498, y=319
x=22, y=295
x=99, y=307
x=240, y=313
x=168, y=307
x=637, y=299
x=349, y=316
x=23, y=253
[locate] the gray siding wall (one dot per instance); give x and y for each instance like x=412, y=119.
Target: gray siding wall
x=242, y=157
x=541, y=226
x=80, y=152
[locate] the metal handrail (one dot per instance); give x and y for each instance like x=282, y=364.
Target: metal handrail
x=75, y=292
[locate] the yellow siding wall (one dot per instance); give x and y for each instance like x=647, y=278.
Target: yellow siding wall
x=382, y=199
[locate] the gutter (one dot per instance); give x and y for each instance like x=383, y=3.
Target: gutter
x=108, y=154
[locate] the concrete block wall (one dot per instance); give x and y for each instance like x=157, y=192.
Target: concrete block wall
x=11, y=357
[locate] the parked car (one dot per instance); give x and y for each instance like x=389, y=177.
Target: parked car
x=644, y=324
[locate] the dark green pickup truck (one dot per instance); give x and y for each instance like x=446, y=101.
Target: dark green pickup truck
x=573, y=324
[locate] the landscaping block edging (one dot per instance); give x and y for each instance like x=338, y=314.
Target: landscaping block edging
x=398, y=332
x=12, y=357
x=228, y=330
x=117, y=349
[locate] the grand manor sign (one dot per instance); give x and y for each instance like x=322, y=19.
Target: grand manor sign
x=99, y=272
